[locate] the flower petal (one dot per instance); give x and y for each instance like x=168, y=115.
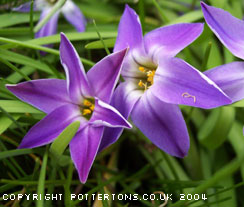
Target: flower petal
x=44, y=94
x=177, y=82
x=50, y=28
x=162, y=123
x=106, y=115
x=124, y=99
x=46, y=130
x=172, y=39
x=129, y=32
x=77, y=82
x=230, y=78
x=227, y=28
x=83, y=149
x=104, y=76
x=25, y=7
x=73, y=14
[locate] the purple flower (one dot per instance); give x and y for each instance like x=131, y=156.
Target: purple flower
x=156, y=82
x=82, y=97
x=70, y=11
x=230, y=31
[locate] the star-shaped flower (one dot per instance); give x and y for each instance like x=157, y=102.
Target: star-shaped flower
x=82, y=97
x=156, y=82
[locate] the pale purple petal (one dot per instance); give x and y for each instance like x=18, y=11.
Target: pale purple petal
x=75, y=17
x=230, y=78
x=162, y=123
x=172, y=39
x=83, y=149
x=25, y=7
x=104, y=76
x=129, y=31
x=44, y=94
x=177, y=82
x=77, y=82
x=46, y=130
x=124, y=99
x=226, y=27
x=106, y=115
x=50, y=28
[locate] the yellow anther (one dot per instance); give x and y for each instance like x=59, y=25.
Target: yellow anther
x=92, y=107
x=141, y=84
x=87, y=103
x=86, y=111
x=142, y=69
x=150, y=76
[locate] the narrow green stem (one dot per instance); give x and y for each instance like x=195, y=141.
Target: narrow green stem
x=10, y=65
x=68, y=184
x=206, y=56
x=13, y=120
x=162, y=15
x=31, y=19
x=101, y=39
x=41, y=182
x=55, y=9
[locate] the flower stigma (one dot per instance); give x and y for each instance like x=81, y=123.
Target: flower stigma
x=87, y=107
x=147, y=81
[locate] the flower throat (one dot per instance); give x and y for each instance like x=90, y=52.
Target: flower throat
x=87, y=107
x=147, y=81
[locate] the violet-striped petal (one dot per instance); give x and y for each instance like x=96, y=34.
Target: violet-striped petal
x=129, y=31
x=74, y=16
x=124, y=99
x=104, y=76
x=46, y=130
x=106, y=115
x=227, y=28
x=162, y=123
x=172, y=39
x=77, y=82
x=177, y=82
x=44, y=94
x=50, y=28
x=230, y=78
x=83, y=149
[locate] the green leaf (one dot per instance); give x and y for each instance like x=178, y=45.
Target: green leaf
x=216, y=127
x=5, y=122
x=72, y=37
x=16, y=152
x=61, y=142
x=41, y=181
x=188, y=17
x=10, y=19
x=98, y=44
x=16, y=77
x=24, y=60
x=14, y=106
x=237, y=104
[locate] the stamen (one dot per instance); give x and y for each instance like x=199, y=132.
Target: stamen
x=86, y=111
x=92, y=107
x=187, y=95
x=141, y=84
x=87, y=103
x=87, y=107
x=142, y=69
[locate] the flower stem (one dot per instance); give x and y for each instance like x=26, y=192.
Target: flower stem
x=55, y=8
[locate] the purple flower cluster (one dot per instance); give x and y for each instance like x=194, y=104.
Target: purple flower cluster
x=155, y=83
